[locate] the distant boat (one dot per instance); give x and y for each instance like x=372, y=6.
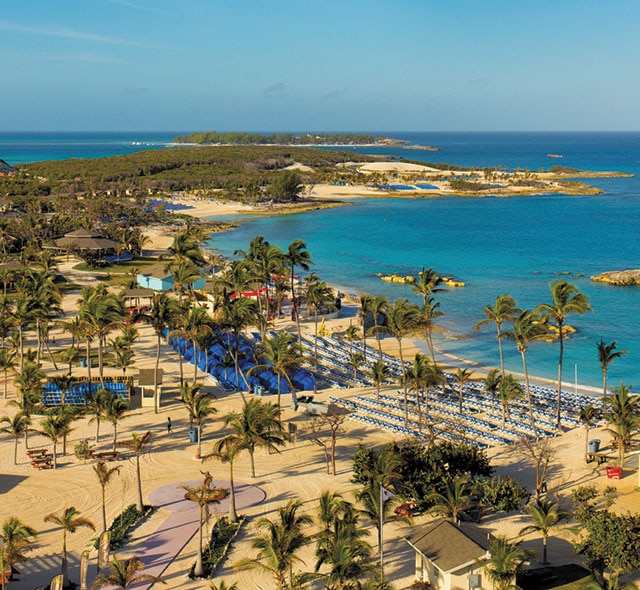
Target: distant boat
x=554, y=155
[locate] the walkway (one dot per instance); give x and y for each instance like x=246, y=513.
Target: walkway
x=159, y=549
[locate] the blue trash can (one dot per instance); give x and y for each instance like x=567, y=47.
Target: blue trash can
x=594, y=445
x=193, y=435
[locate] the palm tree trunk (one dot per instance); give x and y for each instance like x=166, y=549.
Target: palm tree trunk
x=586, y=440
x=115, y=435
x=500, y=350
x=156, y=401
x=604, y=387
x=560, y=338
x=140, y=503
x=404, y=381
x=55, y=455
x=104, y=512
x=526, y=382
x=253, y=464
x=15, y=451
x=198, y=570
x=199, y=451
x=233, y=516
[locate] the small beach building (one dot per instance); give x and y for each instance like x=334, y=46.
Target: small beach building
x=147, y=381
x=159, y=278
x=451, y=556
x=88, y=244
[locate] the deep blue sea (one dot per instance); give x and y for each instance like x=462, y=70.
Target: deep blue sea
x=495, y=245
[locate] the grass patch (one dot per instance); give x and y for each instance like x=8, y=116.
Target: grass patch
x=123, y=524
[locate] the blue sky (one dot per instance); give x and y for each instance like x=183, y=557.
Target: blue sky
x=330, y=65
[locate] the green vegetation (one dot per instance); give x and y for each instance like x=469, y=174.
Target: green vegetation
x=245, y=138
x=223, y=533
x=123, y=524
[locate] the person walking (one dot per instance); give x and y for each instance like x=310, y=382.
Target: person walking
x=169, y=431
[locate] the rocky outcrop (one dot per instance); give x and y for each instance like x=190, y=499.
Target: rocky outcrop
x=619, y=277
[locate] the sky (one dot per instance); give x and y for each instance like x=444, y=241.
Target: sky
x=321, y=65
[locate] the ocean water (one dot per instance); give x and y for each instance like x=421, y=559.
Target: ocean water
x=495, y=245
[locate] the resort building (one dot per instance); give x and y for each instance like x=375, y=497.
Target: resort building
x=451, y=556
x=159, y=278
x=6, y=169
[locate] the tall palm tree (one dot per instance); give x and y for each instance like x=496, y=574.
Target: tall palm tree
x=163, y=312
x=508, y=390
x=201, y=410
x=356, y=360
x=505, y=561
x=115, y=410
x=607, y=353
x=503, y=310
x=188, y=395
x=257, y=425
x=566, y=299
x=203, y=495
x=527, y=328
x=461, y=377
x=297, y=255
x=283, y=355
x=319, y=296
x=491, y=382
x=55, y=426
x=279, y=545
x=137, y=444
x=104, y=474
x=16, y=540
x=427, y=282
x=366, y=301
x=587, y=415
x=623, y=416
x=402, y=320
x=379, y=373
x=378, y=306
x=69, y=521
x=124, y=575
x=7, y=363
x=545, y=514
x=97, y=408
x=16, y=426
x=29, y=383
x=429, y=313
x=453, y=498
x=417, y=375
x=226, y=450
x=197, y=323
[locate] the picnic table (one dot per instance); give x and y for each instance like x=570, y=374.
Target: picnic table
x=31, y=453
x=45, y=462
x=599, y=457
x=107, y=455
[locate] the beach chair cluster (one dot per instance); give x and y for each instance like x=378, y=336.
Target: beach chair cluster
x=78, y=392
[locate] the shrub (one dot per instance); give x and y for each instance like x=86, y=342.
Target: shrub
x=223, y=533
x=123, y=524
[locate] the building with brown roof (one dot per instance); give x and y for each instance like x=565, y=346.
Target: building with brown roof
x=451, y=556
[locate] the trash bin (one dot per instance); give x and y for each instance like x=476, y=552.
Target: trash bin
x=83, y=363
x=193, y=435
x=594, y=445
x=259, y=390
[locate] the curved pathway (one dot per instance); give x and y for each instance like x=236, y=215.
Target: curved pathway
x=160, y=548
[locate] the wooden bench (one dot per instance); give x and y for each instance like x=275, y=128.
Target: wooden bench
x=31, y=453
x=107, y=456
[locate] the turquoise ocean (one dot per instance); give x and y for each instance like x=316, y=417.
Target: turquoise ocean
x=495, y=245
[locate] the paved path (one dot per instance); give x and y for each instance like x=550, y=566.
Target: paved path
x=160, y=548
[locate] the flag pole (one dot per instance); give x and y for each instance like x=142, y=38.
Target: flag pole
x=381, y=523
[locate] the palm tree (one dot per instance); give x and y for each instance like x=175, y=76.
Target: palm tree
x=16, y=539
x=279, y=545
x=566, y=299
x=491, y=383
x=319, y=296
x=503, y=310
x=402, y=320
x=163, y=312
x=545, y=514
x=104, y=473
x=379, y=372
x=355, y=360
x=418, y=377
x=351, y=335
x=137, y=444
x=454, y=497
x=115, y=410
x=188, y=395
x=124, y=575
x=378, y=305
x=16, y=427
x=258, y=425
x=461, y=377
x=69, y=520
x=429, y=313
x=623, y=417
x=7, y=363
x=55, y=426
x=29, y=382
x=97, y=407
x=226, y=450
x=427, y=282
x=527, y=327
x=366, y=301
x=297, y=255
x=607, y=353
x=201, y=410
x=283, y=355
x=505, y=562
x=508, y=390
x=588, y=414
x=203, y=495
